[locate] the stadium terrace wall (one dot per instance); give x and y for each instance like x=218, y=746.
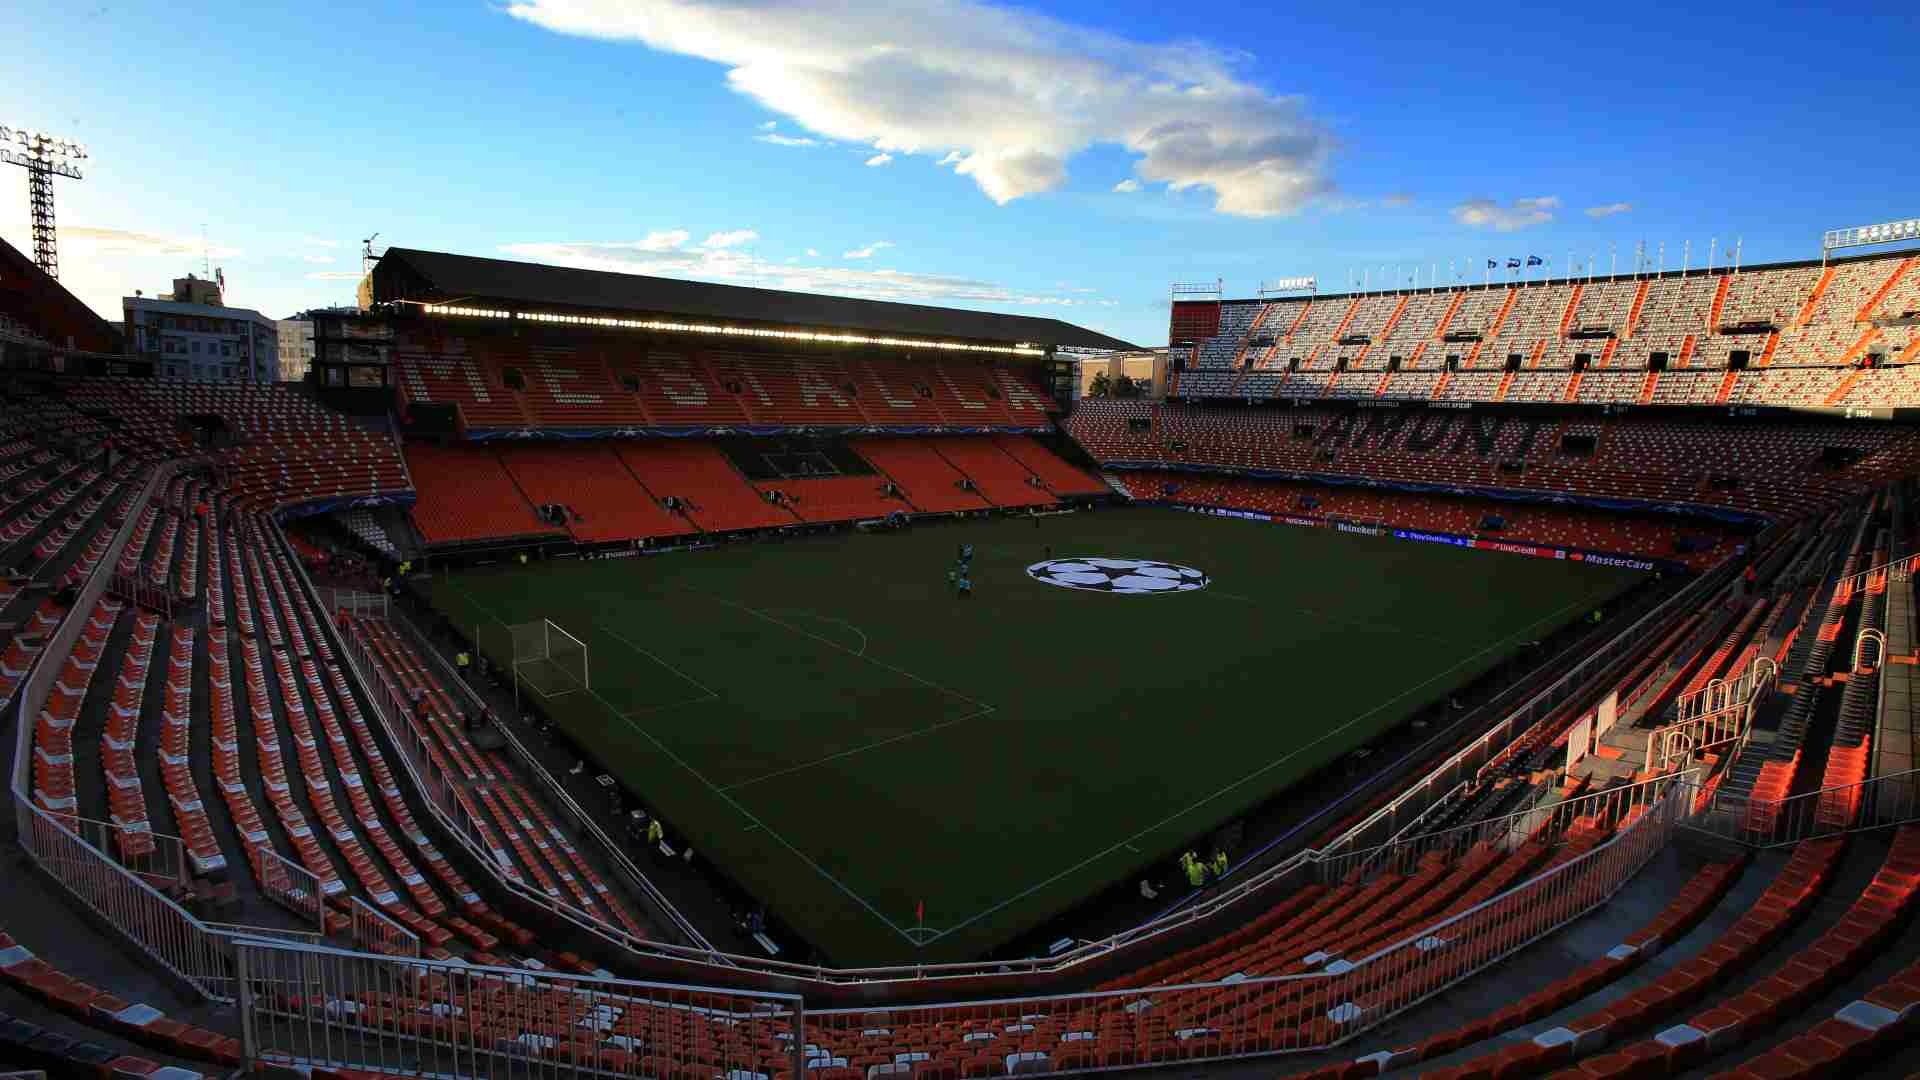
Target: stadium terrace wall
x=756, y=430
x=1517, y=546
x=1512, y=495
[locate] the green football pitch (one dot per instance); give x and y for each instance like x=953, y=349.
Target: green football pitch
x=827, y=720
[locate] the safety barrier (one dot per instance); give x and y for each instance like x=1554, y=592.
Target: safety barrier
x=374, y=932
x=445, y=804
x=1876, y=803
x=1505, y=832
x=662, y=907
x=288, y=884
x=170, y=936
x=1716, y=716
x=315, y=1006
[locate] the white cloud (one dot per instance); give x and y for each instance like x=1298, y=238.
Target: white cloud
x=126, y=243
x=662, y=240
x=1127, y=187
x=878, y=160
x=1608, y=210
x=1520, y=214
x=812, y=254
x=785, y=140
x=318, y=241
x=869, y=251
x=730, y=238
x=1396, y=199
x=320, y=259
x=1008, y=97
x=738, y=267
x=769, y=125
x=335, y=275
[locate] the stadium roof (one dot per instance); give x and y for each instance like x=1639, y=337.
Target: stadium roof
x=411, y=274
x=48, y=309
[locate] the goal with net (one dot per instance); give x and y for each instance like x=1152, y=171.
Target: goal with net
x=548, y=660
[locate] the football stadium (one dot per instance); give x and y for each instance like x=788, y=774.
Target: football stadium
x=584, y=672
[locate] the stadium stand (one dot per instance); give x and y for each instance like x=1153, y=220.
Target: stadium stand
x=1779, y=468
x=200, y=661
x=1695, y=543
x=998, y=478
x=611, y=385
x=465, y=494
x=926, y=478
x=696, y=474
x=603, y=498
x=1060, y=476
x=1739, y=330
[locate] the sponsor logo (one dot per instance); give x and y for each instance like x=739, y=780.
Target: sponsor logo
x=1359, y=530
x=1128, y=577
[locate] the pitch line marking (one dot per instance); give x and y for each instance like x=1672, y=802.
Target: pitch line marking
x=862, y=654
x=1261, y=771
x=710, y=693
x=875, y=745
x=753, y=821
x=836, y=646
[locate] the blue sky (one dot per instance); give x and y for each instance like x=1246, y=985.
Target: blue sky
x=953, y=153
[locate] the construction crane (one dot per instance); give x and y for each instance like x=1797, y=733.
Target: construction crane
x=44, y=156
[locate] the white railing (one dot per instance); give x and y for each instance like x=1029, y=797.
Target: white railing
x=1504, y=832
x=1734, y=703
x=374, y=932
x=662, y=907
x=1719, y=694
x=288, y=884
x=306, y=1006
x=1876, y=803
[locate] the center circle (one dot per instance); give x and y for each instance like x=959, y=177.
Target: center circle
x=1127, y=577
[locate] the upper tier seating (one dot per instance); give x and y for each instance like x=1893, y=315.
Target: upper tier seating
x=613, y=383
x=1757, y=318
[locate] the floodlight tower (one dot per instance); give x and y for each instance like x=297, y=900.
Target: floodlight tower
x=43, y=156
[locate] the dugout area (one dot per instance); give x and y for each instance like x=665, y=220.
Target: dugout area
x=826, y=720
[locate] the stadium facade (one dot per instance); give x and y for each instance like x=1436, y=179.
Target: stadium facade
x=262, y=778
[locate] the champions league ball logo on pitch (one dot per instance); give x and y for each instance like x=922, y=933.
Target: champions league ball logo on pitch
x=1128, y=577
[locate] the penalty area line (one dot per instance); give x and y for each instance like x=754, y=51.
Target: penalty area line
x=1255, y=774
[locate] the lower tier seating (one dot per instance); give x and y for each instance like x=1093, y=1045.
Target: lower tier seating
x=604, y=499
x=465, y=494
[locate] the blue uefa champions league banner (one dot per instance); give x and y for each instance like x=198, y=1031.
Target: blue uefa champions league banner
x=1512, y=495
x=343, y=502
x=1421, y=536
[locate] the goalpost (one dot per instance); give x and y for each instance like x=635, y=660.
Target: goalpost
x=550, y=661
